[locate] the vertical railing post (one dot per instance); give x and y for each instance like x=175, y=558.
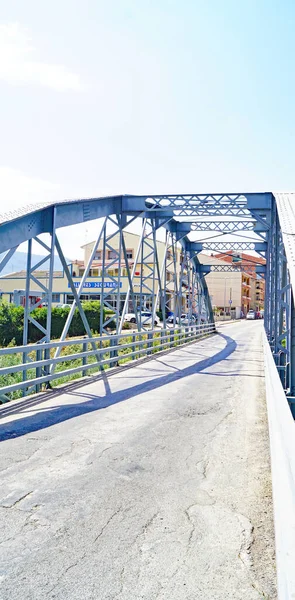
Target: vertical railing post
x=162, y=334
x=84, y=359
x=38, y=369
x=113, y=353
x=186, y=333
x=149, y=343
x=133, y=336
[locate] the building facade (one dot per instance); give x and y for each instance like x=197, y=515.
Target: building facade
x=255, y=298
x=230, y=291
x=235, y=291
x=12, y=286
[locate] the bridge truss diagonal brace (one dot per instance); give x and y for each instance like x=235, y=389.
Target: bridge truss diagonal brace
x=170, y=276
x=111, y=257
x=44, y=296
x=45, y=289
x=113, y=242
x=198, y=273
x=147, y=275
x=78, y=294
x=77, y=302
x=149, y=262
x=8, y=255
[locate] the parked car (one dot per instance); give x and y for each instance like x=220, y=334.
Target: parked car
x=187, y=320
x=182, y=319
x=63, y=305
x=146, y=318
x=203, y=317
x=250, y=315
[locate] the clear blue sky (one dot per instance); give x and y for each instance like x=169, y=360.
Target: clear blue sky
x=125, y=96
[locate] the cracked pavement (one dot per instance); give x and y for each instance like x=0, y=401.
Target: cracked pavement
x=155, y=486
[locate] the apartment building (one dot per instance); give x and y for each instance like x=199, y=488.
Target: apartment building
x=228, y=290
x=12, y=286
x=255, y=298
x=236, y=290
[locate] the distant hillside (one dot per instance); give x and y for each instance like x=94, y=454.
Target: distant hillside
x=18, y=262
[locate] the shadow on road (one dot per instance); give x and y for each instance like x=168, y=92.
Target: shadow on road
x=46, y=417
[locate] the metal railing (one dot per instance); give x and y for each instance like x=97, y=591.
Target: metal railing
x=282, y=449
x=24, y=369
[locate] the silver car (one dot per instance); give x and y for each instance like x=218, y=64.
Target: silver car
x=250, y=315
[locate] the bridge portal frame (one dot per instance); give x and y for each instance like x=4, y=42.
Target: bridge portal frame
x=182, y=216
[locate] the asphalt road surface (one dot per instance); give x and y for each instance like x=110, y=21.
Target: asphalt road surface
x=152, y=484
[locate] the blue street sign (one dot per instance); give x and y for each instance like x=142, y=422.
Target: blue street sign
x=97, y=284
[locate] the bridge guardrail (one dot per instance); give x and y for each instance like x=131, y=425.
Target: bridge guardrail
x=37, y=361
x=282, y=447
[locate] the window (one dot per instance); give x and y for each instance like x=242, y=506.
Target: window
x=97, y=255
x=112, y=254
x=81, y=272
x=129, y=254
x=55, y=297
x=113, y=272
x=94, y=273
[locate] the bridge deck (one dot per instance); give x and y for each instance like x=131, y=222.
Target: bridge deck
x=153, y=483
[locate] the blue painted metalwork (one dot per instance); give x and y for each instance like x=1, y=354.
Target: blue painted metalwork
x=164, y=282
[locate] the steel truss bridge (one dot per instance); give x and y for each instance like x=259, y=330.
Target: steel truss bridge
x=263, y=222
x=189, y=223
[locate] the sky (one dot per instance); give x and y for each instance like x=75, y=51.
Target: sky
x=121, y=96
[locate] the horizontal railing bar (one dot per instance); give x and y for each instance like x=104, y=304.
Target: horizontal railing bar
x=78, y=355
x=99, y=339
x=189, y=336
x=72, y=341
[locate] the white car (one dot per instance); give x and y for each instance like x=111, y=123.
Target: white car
x=146, y=318
x=185, y=320
x=251, y=315
x=63, y=306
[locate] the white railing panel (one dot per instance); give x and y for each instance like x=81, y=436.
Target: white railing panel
x=282, y=448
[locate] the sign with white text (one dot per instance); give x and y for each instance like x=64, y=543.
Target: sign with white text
x=96, y=284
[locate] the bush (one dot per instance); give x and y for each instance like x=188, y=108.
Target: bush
x=12, y=322
x=159, y=313
x=92, y=312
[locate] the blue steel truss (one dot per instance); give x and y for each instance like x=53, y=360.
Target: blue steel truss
x=164, y=282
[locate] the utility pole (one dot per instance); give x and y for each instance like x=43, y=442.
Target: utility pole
x=224, y=300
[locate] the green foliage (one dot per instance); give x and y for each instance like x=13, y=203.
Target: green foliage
x=12, y=322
